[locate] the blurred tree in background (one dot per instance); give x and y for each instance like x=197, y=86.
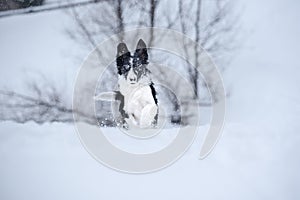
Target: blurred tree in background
x=18, y=4
x=213, y=24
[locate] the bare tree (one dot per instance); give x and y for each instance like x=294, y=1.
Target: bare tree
x=212, y=24
x=41, y=106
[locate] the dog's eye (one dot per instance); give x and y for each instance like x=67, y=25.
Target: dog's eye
x=138, y=69
x=127, y=67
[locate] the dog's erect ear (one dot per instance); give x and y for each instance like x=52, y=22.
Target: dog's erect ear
x=122, y=49
x=141, y=44
x=141, y=52
x=123, y=57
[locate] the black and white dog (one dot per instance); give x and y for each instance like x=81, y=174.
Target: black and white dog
x=136, y=90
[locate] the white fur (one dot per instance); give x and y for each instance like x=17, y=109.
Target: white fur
x=138, y=101
x=148, y=114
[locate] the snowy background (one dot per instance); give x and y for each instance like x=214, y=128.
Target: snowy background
x=256, y=158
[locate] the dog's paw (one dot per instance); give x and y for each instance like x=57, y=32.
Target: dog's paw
x=148, y=116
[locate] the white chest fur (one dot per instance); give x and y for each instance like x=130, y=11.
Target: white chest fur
x=138, y=102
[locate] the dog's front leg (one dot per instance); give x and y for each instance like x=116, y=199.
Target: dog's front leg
x=133, y=119
x=148, y=115
x=121, y=119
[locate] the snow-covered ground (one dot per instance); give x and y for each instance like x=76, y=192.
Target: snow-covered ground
x=256, y=158
x=48, y=162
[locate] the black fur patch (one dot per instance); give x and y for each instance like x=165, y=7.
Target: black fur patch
x=120, y=98
x=138, y=61
x=153, y=91
x=123, y=63
x=123, y=59
x=141, y=54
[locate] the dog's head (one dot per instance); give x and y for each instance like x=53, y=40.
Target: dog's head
x=132, y=66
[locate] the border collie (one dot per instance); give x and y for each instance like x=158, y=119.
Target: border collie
x=136, y=94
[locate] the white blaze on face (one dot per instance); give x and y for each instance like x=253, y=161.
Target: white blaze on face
x=131, y=77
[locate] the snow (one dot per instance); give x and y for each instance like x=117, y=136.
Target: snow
x=49, y=162
x=256, y=158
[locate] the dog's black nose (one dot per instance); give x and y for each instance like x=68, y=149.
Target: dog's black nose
x=132, y=79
